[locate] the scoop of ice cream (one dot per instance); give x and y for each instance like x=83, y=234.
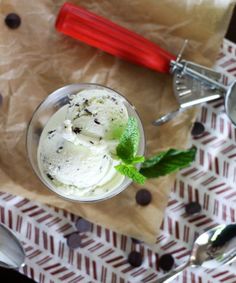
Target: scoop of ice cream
x=98, y=114
x=77, y=147
x=75, y=165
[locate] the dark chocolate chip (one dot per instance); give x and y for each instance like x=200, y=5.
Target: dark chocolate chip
x=136, y=241
x=13, y=21
x=60, y=148
x=198, y=129
x=87, y=111
x=76, y=130
x=96, y=121
x=166, y=262
x=73, y=240
x=143, y=197
x=192, y=208
x=83, y=225
x=49, y=176
x=1, y=99
x=51, y=134
x=135, y=259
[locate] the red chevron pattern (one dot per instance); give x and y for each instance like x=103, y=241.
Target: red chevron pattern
x=103, y=256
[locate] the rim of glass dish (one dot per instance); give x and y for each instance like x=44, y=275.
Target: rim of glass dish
x=116, y=192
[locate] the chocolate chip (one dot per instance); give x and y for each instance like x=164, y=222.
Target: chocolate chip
x=143, y=197
x=135, y=259
x=136, y=241
x=73, y=240
x=83, y=225
x=51, y=134
x=87, y=111
x=59, y=149
x=76, y=130
x=13, y=21
x=1, y=99
x=166, y=262
x=96, y=121
x=49, y=176
x=198, y=129
x=192, y=208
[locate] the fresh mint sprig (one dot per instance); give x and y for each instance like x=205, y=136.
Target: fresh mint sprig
x=129, y=141
x=127, y=150
x=132, y=172
x=167, y=162
x=159, y=165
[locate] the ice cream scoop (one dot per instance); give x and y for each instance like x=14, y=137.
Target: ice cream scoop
x=77, y=146
x=12, y=254
x=211, y=250
x=192, y=83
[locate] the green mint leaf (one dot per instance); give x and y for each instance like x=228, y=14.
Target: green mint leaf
x=131, y=172
x=151, y=161
x=129, y=141
x=167, y=162
x=138, y=159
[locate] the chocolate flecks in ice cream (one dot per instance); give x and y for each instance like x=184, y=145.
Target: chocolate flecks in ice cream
x=60, y=148
x=51, y=133
x=49, y=176
x=77, y=152
x=97, y=122
x=88, y=112
x=76, y=130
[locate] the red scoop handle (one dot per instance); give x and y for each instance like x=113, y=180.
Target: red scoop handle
x=101, y=33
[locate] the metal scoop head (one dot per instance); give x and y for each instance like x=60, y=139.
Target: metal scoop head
x=12, y=254
x=215, y=247
x=194, y=84
x=211, y=249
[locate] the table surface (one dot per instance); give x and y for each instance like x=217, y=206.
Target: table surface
x=14, y=276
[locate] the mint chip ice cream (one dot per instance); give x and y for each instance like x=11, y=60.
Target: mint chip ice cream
x=77, y=148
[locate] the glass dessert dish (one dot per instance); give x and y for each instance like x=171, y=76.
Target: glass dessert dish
x=72, y=138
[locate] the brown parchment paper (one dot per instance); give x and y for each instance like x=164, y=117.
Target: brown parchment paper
x=35, y=60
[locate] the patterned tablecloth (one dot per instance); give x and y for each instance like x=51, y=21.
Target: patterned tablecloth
x=103, y=255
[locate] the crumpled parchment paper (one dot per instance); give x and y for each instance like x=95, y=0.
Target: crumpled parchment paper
x=35, y=60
